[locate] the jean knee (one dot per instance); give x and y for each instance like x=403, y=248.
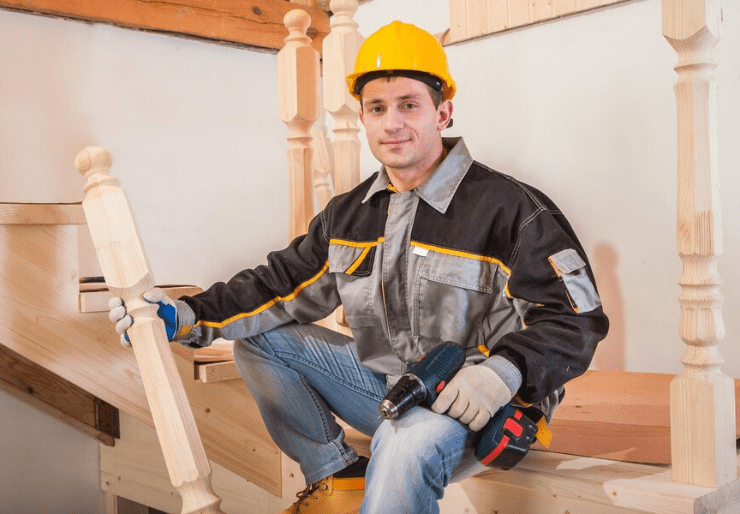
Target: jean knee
x=423, y=444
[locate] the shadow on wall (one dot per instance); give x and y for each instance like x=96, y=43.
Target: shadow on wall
x=611, y=353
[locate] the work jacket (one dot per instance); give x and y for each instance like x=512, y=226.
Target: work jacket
x=470, y=256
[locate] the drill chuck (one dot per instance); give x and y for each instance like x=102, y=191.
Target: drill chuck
x=409, y=391
x=423, y=380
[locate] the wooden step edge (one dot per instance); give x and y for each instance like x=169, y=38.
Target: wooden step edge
x=42, y=214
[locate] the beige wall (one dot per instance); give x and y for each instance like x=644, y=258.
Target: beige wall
x=582, y=108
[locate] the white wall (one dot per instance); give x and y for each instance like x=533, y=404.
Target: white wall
x=582, y=108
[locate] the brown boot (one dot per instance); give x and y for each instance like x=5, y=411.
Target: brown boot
x=330, y=496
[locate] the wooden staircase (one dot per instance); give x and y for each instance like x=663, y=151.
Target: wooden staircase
x=41, y=319
x=611, y=451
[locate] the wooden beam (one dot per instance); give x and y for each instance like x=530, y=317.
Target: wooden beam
x=257, y=23
x=57, y=397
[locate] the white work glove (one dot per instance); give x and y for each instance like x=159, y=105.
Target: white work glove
x=166, y=310
x=473, y=396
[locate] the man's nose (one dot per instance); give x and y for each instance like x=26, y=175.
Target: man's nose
x=393, y=120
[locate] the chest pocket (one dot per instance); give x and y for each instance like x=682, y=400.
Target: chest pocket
x=454, y=294
x=352, y=258
x=468, y=273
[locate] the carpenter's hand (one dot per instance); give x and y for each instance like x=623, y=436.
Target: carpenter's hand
x=165, y=309
x=473, y=396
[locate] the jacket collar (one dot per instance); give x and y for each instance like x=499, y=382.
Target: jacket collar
x=438, y=189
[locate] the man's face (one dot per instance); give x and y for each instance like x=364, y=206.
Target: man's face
x=403, y=126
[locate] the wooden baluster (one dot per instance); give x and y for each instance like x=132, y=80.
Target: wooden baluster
x=128, y=275
x=702, y=398
x=298, y=107
x=340, y=49
x=323, y=164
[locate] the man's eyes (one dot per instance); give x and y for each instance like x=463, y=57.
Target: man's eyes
x=404, y=107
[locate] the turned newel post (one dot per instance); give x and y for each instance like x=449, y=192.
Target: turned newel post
x=298, y=107
x=128, y=275
x=340, y=49
x=702, y=398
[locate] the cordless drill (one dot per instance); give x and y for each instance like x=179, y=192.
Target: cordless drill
x=507, y=436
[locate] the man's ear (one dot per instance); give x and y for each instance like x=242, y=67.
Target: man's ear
x=444, y=112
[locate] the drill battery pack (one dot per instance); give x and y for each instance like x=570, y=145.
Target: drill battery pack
x=506, y=438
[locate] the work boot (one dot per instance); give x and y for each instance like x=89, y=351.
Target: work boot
x=331, y=495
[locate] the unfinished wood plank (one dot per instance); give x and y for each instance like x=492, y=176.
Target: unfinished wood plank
x=509, y=14
x=519, y=13
x=221, y=350
x=617, y=415
x=97, y=300
x=57, y=397
x=41, y=214
x=583, y=5
x=541, y=10
x=702, y=397
x=128, y=275
x=723, y=500
x=217, y=372
x=497, y=16
x=256, y=23
x=111, y=503
x=458, y=21
x=563, y=7
x=476, y=15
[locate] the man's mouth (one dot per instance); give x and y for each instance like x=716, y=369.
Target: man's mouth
x=396, y=141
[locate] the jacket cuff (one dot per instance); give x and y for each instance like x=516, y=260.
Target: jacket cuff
x=185, y=319
x=505, y=369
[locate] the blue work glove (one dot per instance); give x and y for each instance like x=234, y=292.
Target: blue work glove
x=473, y=395
x=166, y=310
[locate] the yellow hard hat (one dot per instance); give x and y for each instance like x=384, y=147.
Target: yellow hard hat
x=403, y=48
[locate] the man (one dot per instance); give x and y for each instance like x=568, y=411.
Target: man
x=434, y=247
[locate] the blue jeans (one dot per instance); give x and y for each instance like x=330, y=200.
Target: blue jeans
x=303, y=375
